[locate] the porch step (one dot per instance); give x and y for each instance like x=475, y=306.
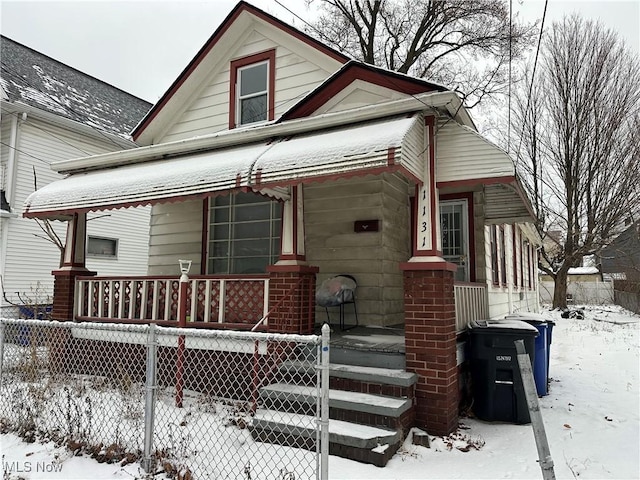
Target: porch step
x=298, y=395
x=363, y=427
x=374, y=445
x=370, y=408
x=373, y=375
x=364, y=357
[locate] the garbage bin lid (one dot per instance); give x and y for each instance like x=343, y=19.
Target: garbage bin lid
x=504, y=324
x=529, y=316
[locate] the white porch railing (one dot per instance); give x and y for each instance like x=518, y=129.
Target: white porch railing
x=471, y=303
x=221, y=300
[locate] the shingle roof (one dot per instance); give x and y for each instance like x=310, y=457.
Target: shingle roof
x=41, y=82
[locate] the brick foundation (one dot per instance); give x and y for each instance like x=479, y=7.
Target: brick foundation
x=430, y=341
x=292, y=291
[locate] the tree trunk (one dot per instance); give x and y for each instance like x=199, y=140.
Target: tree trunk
x=560, y=289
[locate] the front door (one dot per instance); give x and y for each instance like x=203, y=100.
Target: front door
x=455, y=236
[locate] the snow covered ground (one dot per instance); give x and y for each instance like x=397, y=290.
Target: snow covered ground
x=591, y=416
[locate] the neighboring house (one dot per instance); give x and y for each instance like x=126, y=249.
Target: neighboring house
x=52, y=112
x=577, y=274
x=621, y=258
x=620, y=261
x=273, y=163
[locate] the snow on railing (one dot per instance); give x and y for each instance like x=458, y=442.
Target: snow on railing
x=471, y=303
x=211, y=300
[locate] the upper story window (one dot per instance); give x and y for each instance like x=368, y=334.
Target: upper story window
x=251, y=90
x=252, y=93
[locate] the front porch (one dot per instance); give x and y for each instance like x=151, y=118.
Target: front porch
x=234, y=302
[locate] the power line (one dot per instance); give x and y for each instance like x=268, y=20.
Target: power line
x=319, y=32
x=533, y=75
x=510, y=76
x=17, y=115
x=25, y=153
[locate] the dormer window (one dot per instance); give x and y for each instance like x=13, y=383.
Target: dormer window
x=251, y=90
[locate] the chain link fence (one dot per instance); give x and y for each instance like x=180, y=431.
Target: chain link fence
x=194, y=403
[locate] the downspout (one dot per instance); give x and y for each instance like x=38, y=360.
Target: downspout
x=13, y=156
x=510, y=268
x=10, y=187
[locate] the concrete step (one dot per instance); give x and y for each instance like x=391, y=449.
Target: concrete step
x=284, y=394
x=374, y=375
x=366, y=358
x=363, y=443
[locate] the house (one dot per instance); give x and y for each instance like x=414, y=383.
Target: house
x=273, y=163
x=621, y=258
x=620, y=261
x=52, y=112
x=577, y=274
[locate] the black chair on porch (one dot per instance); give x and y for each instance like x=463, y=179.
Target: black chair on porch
x=338, y=291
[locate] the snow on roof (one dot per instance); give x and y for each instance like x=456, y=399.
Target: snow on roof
x=34, y=79
x=583, y=271
x=341, y=151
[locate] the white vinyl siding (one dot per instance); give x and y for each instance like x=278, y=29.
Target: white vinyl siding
x=463, y=155
x=29, y=259
x=175, y=233
x=208, y=111
x=504, y=299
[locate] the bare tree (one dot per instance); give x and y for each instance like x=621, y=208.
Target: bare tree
x=465, y=45
x=580, y=143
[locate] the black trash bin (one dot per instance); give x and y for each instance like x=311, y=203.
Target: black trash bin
x=498, y=392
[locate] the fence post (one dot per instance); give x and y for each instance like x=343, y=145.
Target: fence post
x=185, y=265
x=324, y=404
x=2, y=327
x=148, y=462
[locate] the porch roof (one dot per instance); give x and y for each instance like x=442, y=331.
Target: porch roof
x=389, y=144
x=467, y=160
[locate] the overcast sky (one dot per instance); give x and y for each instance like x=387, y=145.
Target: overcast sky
x=142, y=46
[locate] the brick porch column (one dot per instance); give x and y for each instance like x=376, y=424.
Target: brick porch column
x=292, y=290
x=73, y=266
x=64, y=284
x=430, y=342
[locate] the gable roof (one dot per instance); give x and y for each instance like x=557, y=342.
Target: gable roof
x=34, y=79
x=357, y=70
x=240, y=8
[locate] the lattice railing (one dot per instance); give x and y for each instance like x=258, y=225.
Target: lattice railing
x=471, y=303
x=210, y=300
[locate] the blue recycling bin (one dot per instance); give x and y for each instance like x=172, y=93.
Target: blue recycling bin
x=542, y=348
x=550, y=325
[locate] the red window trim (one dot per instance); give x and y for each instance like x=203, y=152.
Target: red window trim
x=522, y=260
x=529, y=265
x=468, y=196
x=493, y=245
x=514, y=231
x=270, y=57
x=504, y=280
